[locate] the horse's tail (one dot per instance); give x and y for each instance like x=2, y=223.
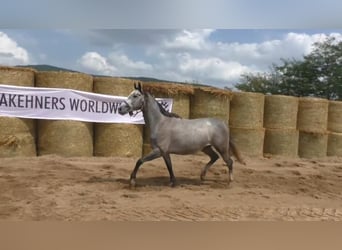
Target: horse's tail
x=236, y=152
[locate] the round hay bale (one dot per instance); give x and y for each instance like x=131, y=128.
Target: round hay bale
x=17, y=135
x=312, y=145
x=334, y=144
x=17, y=76
x=247, y=110
x=64, y=79
x=210, y=102
x=280, y=112
x=113, y=86
x=312, y=114
x=124, y=140
x=180, y=93
x=249, y=141
x=65, y=138
x=335, y=116
x=281, y=142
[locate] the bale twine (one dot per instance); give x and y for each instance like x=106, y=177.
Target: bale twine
x=210, y=102
x=180, y=93
x=17, y=135
x=334, y=144
x=280, y=112
x=312, y=145
x=124, y=140
x=282, y=142
x=335, y=116
x=247, y=110
x=312, y=114
x=249, y=141
x=65, y=138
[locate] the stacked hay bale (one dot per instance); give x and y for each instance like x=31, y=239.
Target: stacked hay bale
x=114, y=139
x=335, y=128
x=280, y=122
x=65, y=137
x=17, y=136
x=246, y=122
x=312, y=124
x=180, y=93
x=210, y=102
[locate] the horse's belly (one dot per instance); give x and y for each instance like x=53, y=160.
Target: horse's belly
x=187, y=145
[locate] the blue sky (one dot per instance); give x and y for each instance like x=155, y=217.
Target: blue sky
x=210, y=42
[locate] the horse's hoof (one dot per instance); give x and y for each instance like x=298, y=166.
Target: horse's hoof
x=202, y=176
x=132, y=183
x=172, y=184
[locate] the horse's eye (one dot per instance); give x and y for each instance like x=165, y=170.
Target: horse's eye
x=135, y=96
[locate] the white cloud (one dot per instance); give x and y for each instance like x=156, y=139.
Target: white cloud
x=11, y=53
x=128, y=65
x=189, y=40
x=95, y=63
x=194, y=56
x=116, y=63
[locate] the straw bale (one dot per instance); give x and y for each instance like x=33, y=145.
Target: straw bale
x=210, y=102
x=65, y=138
x=66, y=80
x=249, y=141
x=17, y=76
x=124, y=140
x=180, y=93
x=335, y=116
x=334, y=144
x=17, y=135
x=280, y=112
x=312, y=114
x=312, y=145
x=247, y=110
x=113, y=86
x=169, y=89
x=281, y=142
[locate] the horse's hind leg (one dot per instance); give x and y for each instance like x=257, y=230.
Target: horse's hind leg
x=213, y=157
x=168, y=163
x=151, y=156
x=224, y=152
x=229, y=162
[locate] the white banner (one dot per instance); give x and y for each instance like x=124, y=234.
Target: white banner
x=66, y=104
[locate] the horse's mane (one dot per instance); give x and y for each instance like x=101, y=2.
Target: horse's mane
x=167, y=113
x=163, y=110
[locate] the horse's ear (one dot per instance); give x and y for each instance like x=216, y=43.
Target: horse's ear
x=138, y=87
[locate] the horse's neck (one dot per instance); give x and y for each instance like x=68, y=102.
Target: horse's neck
x=151, y=111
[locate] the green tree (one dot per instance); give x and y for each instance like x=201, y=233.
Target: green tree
x=318, y=74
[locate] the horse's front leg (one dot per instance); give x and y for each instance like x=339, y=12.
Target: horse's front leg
x=151, y=156
x=168, y=163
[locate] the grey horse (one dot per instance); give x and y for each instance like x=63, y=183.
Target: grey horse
x=171, y=134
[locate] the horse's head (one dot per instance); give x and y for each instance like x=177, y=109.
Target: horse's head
x=135, y=101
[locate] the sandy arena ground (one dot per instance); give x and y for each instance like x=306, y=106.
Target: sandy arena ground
x=53, y=188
